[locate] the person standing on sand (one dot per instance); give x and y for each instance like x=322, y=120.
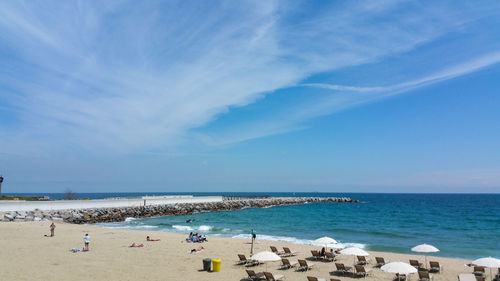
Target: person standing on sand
x=52, y=229
x=86, y=239
x=254, y=235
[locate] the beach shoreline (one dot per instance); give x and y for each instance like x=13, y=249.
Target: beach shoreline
x=28, y=255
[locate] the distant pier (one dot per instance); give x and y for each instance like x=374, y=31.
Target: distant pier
x=85, y=213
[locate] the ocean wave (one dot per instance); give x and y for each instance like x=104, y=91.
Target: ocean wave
x=182, y=227
x=295, y=240
x=129, y=219
x=144, y=226
x=205, y=228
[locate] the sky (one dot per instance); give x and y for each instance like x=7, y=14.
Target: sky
x=193, y=96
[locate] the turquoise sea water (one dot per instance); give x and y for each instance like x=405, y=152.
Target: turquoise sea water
x=460, y=225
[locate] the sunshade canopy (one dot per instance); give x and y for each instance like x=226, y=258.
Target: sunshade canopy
x=487, y=262
x=325, y=240
x=398, y=267
x=266, y=256
x=425, y=248
x=354, y=251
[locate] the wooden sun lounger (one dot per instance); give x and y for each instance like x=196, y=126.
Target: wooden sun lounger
x=316, y=254
x=244, y=261
x=275, y=250
x=362, y=260
x=304, y=265
x=416, y=264
x=255, y=276
x=286, y=264
x=361, y=271
x=434, y=266
x=424, y=276
x=273, y=277
x=380, y=261
x=342, y=269
x=310, y=278
x=478, y=271
x=289, y=253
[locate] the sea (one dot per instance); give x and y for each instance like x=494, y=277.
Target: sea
x=460, y=225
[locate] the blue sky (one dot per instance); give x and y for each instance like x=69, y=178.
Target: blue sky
x=332, y=96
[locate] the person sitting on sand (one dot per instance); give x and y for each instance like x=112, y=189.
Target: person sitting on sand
x=194, y=239
x=322, y=253
x=190, y=238
x=332, y=252
x=152, y=240
x=136, y=245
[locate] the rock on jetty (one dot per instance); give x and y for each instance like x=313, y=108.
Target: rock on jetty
x=97, y=215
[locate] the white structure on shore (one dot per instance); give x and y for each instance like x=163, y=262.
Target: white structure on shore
x=20, y=205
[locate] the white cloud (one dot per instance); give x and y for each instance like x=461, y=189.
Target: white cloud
x=102, y=76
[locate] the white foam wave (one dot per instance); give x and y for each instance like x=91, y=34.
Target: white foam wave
x=145, y=226
x=267, y=207
x=129, y=219
x=347, y=245
x=299, y=241
x=182, y=227
x=205, y=228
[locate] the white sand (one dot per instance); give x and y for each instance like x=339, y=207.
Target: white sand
x=27, y=255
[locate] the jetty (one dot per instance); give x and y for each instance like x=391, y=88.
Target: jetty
x=115, y=210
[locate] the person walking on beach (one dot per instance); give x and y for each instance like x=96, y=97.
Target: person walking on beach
x=86, y=239
x=254, y=235
x=52, y=229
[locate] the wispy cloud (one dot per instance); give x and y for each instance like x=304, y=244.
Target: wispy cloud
x=454, y=71
x=97, y=75
x=345, y=96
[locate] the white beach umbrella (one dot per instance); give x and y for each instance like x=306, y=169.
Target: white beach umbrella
x=425, y=248
x=354, y=251
x=487, y=262
x=399, y=268
x=325, y=240
x=266, y=256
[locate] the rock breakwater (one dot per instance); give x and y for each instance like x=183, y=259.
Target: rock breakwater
x=97, y=215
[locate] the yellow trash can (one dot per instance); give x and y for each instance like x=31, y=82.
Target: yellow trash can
x=216, y=265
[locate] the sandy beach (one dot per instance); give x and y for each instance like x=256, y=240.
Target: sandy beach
x=26, y=254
